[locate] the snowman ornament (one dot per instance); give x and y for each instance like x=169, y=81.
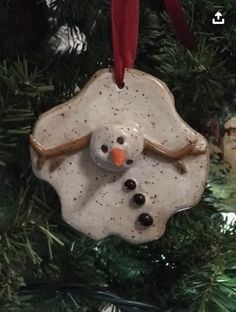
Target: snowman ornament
x=121, y=160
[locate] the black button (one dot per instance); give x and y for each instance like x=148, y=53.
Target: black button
x=145, y=219
x=130, y=184
x=139, y=199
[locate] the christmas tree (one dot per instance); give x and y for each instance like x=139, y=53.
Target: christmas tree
x=49, y=50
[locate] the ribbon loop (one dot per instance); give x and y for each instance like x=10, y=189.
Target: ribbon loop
x=125, y=24
x=178, y=21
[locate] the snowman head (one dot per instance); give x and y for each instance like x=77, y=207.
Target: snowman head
x=116, y=147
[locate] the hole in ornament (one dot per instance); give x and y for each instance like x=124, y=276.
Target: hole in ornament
x=104, y=148
x=121, y=85
x=120, y=140
x=129, y=162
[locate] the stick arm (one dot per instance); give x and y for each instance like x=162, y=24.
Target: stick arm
x=62, y=149
x=188, y=149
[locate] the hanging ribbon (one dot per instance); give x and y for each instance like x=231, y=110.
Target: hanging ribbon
x=125, y=24
x=176, y=14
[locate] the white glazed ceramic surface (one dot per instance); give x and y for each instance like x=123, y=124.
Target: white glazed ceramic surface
x=93, y=198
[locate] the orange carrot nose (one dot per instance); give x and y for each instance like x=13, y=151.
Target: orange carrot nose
x=118, y=156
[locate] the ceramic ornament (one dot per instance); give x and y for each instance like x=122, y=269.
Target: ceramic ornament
x=121, y=160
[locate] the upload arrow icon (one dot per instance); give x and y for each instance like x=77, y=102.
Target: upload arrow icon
x=218, y=20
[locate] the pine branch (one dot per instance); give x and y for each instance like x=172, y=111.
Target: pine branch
x=123, y=305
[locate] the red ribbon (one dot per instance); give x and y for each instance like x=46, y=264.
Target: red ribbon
x=125, y=24
x=184, y=34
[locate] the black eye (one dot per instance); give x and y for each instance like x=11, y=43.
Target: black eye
x=120, y=140
x=129, y=162
x=104, y=148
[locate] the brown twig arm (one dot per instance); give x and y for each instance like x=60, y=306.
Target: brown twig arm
x=189, y=149
x=60, y=150
x=177, y=155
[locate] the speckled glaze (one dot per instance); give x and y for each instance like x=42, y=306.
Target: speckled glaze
x=95, y=196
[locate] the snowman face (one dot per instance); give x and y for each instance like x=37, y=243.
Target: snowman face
x=116, y=147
